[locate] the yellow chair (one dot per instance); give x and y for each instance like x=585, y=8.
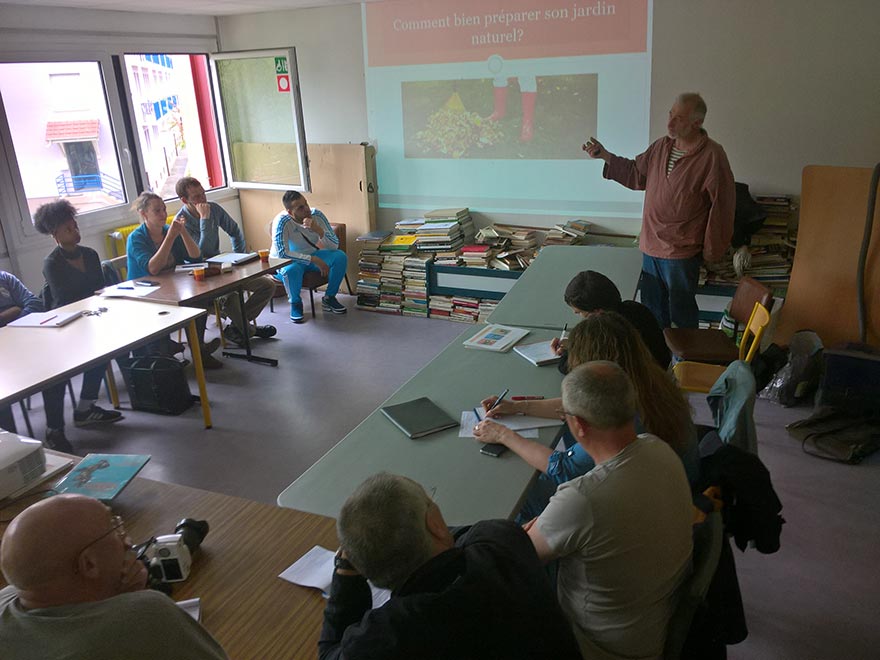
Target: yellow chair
x=700, y=377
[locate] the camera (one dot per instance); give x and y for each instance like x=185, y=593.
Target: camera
x=168, y=558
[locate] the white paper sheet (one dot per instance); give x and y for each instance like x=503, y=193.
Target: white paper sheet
x=469, y=420
x=315, y=569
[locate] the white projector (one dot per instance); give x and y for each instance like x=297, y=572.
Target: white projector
x=22, y=462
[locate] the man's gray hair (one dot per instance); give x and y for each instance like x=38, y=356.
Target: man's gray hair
x=600, y=393
x=696, y=102
x=383, y=530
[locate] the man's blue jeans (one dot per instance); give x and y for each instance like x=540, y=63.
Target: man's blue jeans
x=292, y=275
x=669, y=287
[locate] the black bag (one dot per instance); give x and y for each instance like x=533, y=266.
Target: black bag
x=157, y=384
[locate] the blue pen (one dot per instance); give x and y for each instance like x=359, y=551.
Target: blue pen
x=498, y=400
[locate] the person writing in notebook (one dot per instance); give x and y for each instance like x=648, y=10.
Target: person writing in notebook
x=480, y=593
x=204, y=220
x=78, y=591
x=304, y=234
x=689, y=207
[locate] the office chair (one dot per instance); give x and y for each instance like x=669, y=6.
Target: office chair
x=700, y=377
x=708, y=538
x=714, y=346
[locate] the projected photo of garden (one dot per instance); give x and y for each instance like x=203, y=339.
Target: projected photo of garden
x=545, y=118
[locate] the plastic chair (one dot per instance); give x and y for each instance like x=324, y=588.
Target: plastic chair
x=313, y=280
x=714, y=346
x=700, y=377
x=708, y=539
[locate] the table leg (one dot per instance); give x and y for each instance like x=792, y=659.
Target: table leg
x=192, y=335
x=111, y=386
x=248, y=355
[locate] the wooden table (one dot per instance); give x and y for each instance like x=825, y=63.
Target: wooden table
x=467, y=485
x=34, y=358
x=249, y=610
x=536, y=300
x=183, y=289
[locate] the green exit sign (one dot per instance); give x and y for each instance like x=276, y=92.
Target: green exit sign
x=280, y=65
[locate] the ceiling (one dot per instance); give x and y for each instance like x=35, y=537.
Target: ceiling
x=199, y=7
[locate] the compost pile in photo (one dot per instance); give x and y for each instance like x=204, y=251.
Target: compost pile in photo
x=452, y=132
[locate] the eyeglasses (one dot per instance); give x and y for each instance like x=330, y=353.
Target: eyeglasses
x=116, y=525
x=564, y=414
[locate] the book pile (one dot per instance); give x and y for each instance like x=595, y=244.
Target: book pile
x=464, y=309
x=477, y=256
x=440, y=306
x=556, y=236
x=415, y=285
x=576, y=228
x=402, y=243
x=408, y=226
x=524, y=239
x=439, y=237
x=391, y=284
x=369, y=266
x=778, y=228
x=512, y=259
x=487, y=306
x=452, y=258
x=461, y=215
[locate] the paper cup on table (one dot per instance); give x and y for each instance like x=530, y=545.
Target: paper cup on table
x=199, y=274
x=264, y=256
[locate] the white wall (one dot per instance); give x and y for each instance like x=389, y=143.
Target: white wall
x=788, y=83
x=330, y=57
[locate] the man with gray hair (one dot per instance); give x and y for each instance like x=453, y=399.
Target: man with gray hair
x=621, y=532
x=478, y=594
x=688, y=214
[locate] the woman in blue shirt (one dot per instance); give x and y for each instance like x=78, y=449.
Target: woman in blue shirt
x=663, y=409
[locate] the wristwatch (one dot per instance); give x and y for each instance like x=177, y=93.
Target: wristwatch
x=340, y=562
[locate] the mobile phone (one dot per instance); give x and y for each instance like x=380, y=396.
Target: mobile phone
x=145, y=283
x=493, y=450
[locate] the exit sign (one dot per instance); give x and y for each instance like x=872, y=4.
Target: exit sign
x=281, y=65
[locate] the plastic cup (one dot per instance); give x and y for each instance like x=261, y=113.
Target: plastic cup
x=264, y=256
x=199, y=274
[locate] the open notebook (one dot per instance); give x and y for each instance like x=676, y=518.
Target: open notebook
x=45, y=319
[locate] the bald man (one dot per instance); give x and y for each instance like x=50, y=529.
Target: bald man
x=79, y=592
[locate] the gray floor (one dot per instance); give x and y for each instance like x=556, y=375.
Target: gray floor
x=817, y=598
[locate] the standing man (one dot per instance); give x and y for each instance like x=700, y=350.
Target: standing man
x=621, y=532
x=304, y=234
x=689, y=205
x=204, y=220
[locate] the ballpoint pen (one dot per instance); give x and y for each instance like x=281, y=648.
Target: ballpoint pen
x=562, y=334
x=498, y=400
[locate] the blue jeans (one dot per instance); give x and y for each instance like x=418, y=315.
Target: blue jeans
x=292, y=275
x=669, y=287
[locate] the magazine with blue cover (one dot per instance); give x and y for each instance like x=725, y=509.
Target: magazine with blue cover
x=102, y=476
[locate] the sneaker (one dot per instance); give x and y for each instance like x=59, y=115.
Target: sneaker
x=210, y=362
x=330, y=304
x=211, y=346
x=55, y=439
x=296, y=313
x=265, y=331
x=95, y=415
x=231, y=333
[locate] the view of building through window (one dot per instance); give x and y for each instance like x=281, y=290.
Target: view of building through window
x=174, y=117
x=65, y=144
x=61, y=132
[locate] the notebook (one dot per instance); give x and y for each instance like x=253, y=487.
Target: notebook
x=419, y=417
x=45, y=319
x=102, y=476
x=234, y=258
x=538, y=353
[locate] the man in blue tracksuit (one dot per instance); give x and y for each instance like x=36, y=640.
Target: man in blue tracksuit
x=304, y=234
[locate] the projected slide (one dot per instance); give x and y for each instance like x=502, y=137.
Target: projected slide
x=474, y=102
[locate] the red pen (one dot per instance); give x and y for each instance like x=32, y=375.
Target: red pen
x=530, y=397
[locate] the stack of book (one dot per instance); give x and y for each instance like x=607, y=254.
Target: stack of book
x=440, y=306
x=461, y=215
x=408, y=226
x=576, y=228
x=524, y=239
x=487, y=306
x=415, y=285
x=464, y=309
x=391, y=286
x=369, y=266
x=452, y=258
x=779, y=227
x=401, y=243
x=477, y=256
x=556, y=236
x=512, y=259
x=439, y=237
